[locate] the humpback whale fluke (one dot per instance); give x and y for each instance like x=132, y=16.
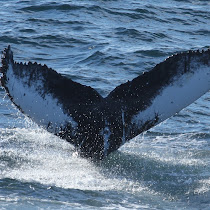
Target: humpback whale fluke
x=97, y=126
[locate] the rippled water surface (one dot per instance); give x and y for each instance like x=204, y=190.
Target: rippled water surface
x=103, y=44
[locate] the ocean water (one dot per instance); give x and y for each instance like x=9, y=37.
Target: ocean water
x=103, y=44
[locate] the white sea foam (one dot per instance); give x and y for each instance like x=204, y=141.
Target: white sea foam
x=204, y=186
x=44, y=158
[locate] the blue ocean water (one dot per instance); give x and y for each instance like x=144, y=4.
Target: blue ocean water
x=103, y=44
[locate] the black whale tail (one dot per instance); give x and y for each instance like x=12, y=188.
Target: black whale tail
x=96, y=125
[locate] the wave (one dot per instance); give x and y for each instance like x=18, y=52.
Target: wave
x=51, y=6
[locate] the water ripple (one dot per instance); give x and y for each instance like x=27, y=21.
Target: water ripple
x=52, y=6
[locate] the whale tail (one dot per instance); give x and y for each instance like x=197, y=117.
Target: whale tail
x=97, y=126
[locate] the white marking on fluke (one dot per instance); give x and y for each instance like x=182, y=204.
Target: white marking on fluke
x=123, y=124
x=106, y=134
x=182, y=92
x=44, y=110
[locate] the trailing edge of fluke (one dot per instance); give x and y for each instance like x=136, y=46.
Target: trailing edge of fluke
x=97, y=126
